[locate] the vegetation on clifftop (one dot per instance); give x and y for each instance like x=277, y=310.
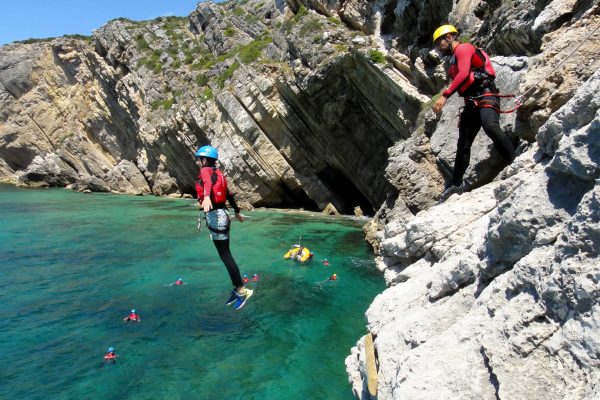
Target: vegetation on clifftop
x=235, y=34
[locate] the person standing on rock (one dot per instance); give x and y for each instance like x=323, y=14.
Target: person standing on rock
x=211, y=188
x=473, y=78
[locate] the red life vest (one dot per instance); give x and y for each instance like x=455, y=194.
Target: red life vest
x=133, y=316
x=218, y=194
x=110, y=356
x=179, y=282
x=481, y=68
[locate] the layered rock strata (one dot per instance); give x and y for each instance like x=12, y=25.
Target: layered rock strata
x=323, y=105
x=300, y=115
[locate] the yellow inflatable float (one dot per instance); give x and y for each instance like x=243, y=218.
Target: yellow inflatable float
x=298, y=253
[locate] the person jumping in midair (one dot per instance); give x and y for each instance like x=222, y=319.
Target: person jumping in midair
x=211, y=188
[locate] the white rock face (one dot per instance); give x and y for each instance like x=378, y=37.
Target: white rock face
x=496, y=292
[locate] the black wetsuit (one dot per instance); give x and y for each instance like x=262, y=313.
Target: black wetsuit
x=471, y=120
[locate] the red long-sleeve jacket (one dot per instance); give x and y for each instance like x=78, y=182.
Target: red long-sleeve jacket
x=466, y=58
x=208, y=184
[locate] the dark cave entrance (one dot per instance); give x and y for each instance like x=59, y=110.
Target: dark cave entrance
x=346, y=195
x=389, y=18
x=295, y=198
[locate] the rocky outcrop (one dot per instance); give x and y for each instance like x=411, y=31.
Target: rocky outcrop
x=493, y=293
x=324, y=105
x=299, y=113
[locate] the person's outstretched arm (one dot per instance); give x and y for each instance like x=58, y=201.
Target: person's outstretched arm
x=235, y=207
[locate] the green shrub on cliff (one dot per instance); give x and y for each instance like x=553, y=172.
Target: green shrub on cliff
x=189, y=57
x=173, y=52
x=176, y=37
x=204, y=59
x=250, y=18
x=206, y=62
x=228, y=73
x=253, y=50
x=341, y=48
x=202, y=79
x=165, y=104
x=288, y=23
x=79, y=37
x=172, y=21
x=229, y=31
x=141, y=44
x=312, y=25
x=377, y=56
x=152, y=62
x=334, y=20
x=123, y=19
x=302, y=11
x=35, y=40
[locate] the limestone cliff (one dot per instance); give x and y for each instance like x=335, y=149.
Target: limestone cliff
x=301, y=116
x=493, y=294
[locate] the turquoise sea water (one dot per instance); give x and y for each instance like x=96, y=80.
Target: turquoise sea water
x=73, y=265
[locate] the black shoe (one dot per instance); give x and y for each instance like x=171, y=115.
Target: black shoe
x=522, y=148
x=450, y=190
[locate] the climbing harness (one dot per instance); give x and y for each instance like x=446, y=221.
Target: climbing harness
x=492, y=104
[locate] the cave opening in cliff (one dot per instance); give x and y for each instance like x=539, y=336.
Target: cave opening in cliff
x=291, y=199
x=347, y=196
x=389, y=18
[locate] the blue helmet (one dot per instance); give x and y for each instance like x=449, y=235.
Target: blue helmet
x=208, y=152
x=133, y=311
x=110, y=349
x=179, y=279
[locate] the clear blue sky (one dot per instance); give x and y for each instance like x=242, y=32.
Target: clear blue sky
x=24, y=19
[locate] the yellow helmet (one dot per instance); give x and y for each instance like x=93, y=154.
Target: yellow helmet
x=442, y=30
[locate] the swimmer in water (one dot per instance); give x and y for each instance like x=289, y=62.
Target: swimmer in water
x=255, y=278
x=325, y=262
x=110, y=355
x=179, y=281
x=132, y=317
x=245, y=278
x=333, y=277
